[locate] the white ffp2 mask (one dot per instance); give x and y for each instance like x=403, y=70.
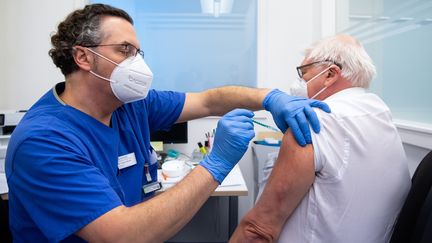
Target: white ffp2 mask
x=299, y=88
x=130, y=80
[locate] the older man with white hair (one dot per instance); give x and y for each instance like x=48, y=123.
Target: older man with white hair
x=350, y=184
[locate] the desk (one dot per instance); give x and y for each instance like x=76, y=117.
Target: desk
x=227, y=193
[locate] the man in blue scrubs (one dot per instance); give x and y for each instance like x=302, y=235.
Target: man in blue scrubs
x=80, y=165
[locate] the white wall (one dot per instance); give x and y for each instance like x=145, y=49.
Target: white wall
x=285, y=29
x=27, y=70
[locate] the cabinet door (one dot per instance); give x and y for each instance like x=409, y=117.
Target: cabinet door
x=210, y=224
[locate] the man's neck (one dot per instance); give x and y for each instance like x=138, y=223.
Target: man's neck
x=338, y=86
x=90, y=96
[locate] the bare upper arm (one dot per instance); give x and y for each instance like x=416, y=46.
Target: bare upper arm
x=105, y=228
x=291, y=177
x=290, y=180
x=219, y=101
x=294, y=169
x=194, y=107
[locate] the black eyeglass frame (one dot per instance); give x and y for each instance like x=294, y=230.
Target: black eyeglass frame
x=126, y=45
x=299, y=68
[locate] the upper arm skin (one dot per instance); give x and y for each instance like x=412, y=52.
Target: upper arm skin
x=292, y=176
x=194, y=107
x=218, y=101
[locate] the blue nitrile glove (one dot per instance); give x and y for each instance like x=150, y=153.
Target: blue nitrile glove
x=233, y=134
x=294, y=112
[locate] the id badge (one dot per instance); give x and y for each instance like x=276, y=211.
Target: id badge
x=152, y=187
x=126, y=161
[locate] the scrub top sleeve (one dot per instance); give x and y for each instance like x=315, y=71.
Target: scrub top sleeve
x=164, y=108
x=59, y=186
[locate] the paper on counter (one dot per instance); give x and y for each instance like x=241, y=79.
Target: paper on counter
x=232, y=180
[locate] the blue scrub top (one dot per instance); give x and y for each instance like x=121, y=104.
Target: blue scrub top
x=62, y=164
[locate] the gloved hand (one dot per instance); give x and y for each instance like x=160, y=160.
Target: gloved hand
x=233, y=134
x=294, y=112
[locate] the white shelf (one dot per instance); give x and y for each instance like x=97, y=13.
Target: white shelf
x=415, y=133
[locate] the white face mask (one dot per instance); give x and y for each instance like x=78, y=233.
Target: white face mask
x=130, y=80
x=299, y=88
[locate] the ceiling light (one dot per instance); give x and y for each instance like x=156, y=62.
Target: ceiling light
x=216, y=7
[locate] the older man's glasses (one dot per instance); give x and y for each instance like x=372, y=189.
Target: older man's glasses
x=127, y=49
x=301, y=69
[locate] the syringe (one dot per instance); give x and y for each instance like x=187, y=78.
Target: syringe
x=266, y=126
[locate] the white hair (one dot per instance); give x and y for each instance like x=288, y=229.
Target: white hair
x=357, y=66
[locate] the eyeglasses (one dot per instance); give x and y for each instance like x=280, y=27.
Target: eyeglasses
x=127, y=49
x=300, y=71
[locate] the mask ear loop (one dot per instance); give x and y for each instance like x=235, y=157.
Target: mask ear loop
x=106, y=58
x=316, y=76
x=102, y=56
x=99, y=76
x=319, y=92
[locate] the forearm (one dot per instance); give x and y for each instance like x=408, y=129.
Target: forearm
x=159, y=218
x=265, y=221
x=167, y=213
x=221, y=100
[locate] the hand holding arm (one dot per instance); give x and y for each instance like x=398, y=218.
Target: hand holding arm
x=295, y=113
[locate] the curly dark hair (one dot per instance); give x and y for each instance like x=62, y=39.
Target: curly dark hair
x=81, y=27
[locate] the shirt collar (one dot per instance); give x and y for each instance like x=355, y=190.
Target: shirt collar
x=346, y=92
x=57, y=90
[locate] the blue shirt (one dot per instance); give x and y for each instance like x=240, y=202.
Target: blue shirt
x=62, y=164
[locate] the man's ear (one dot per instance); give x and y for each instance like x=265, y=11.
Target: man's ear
x=333, y=75
x=82, y=57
